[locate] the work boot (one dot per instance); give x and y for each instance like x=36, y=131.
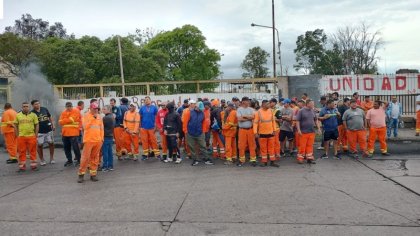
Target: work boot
x=144, y=157
x=11, y=161
x=253, y=163
x=310, y=161
x=273, y=164
x=93, y=178
x=263, y=164
x=386, y=154
x=81, y=179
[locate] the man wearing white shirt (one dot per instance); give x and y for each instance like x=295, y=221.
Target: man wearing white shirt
x=393, y=113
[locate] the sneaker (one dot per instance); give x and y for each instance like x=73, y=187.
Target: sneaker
x=135, y=158
x=144, y=157
x=43, y=163
x=195, y=162
x=240, y=164
x=178, y=161
x=52, y=162
x=324, y=156
x=80, y=179
x=209, y=162
x=165, y=161
x=158, y=157
x=104, y=169
x=311, y=162
x=77, y=163
x=111, y=169
x=386, y=154
x=228, y=163
x=68, y=163
x=253, y=163
x=320, y=148
x=170, y=160
x=273, y=164
x=337, y=156
x=11, y=161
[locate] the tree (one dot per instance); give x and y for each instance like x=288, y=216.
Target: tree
x=16, y=51
x=36, y=29
x=310, y=49
x=189, y=57
x=358, y=47
x=143, y=36
x=255, y=63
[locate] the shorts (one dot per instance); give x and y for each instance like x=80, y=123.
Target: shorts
x=45, y=138
x=331, y=135
x=286, y=134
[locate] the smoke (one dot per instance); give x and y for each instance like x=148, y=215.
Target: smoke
x=33, y=85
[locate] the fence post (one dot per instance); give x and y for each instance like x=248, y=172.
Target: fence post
x=101, y=91
x=198, y=87
x=253, y=86
x=62, y=92
x=147, y=89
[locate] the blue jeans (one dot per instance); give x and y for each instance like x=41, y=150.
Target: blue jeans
x=107, y=153
x=392, y=123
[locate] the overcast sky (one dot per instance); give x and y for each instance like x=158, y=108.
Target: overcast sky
x=226, y=23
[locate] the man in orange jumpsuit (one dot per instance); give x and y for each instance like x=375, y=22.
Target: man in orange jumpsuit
x=207, y=122
x=131, y=134
x=93, y=137
x=354, y=121
x=276, y=113
x=229, y=124
x=367, y=104
x=160, y=117
x=342, y=132
x=26, y=128
x=377, y=128
x=70, y=121
x=305, y=121
x=119, y=112
x=148, y=114
x=8, y=130
x=264, y=127
x=216, y=129
x=245, y=115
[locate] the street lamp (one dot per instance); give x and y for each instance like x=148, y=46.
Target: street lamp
x=278, y=43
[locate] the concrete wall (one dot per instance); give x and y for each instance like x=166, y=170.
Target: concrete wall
x=304, y=84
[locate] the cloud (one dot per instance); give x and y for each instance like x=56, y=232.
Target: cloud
x=226, y=23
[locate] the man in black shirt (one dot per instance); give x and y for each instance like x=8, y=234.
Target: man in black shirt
x=46, y=131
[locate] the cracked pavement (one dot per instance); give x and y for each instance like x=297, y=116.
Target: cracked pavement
x=333, y=197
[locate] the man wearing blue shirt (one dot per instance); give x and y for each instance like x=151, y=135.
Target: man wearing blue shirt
x=148, y=114
x=329, y=117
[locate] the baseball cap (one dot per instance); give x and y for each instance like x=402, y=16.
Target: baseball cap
x=223, y=101
x=235, y=98
x=186, y=101
x=192, y=101
x=287, y=101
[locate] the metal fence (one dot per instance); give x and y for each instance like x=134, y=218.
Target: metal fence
x=84, y=91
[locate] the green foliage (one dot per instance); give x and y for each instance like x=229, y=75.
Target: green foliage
x=189, y=56
x=254, y=63
x=309, y=51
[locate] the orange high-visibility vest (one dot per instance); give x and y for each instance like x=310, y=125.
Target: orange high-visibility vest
x=93, y=128
x=70, y=122
x=132, y=121
x=230, y=124
x=7, y=121
x=264, y=122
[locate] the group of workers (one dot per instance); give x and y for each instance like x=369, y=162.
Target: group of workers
x=205, y=129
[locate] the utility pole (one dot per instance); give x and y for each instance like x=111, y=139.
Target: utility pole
x=274, y=41
x=121, y=67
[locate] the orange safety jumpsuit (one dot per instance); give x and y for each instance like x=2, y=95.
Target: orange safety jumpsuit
x=264, y=126
x=70, y=122
x=160, y=117
x=306, y=145
x=93, y=137
x=131, y=134
x=246, y=139
x=8, y=131
x=186, y=114
x=229, y=125
x=206, y=127
x=418, y=122
x=342, y=137
x=367, y=105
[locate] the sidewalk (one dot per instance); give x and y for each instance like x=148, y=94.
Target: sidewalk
x=405, y=135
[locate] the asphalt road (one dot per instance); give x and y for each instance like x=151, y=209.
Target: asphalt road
x=333, y=197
